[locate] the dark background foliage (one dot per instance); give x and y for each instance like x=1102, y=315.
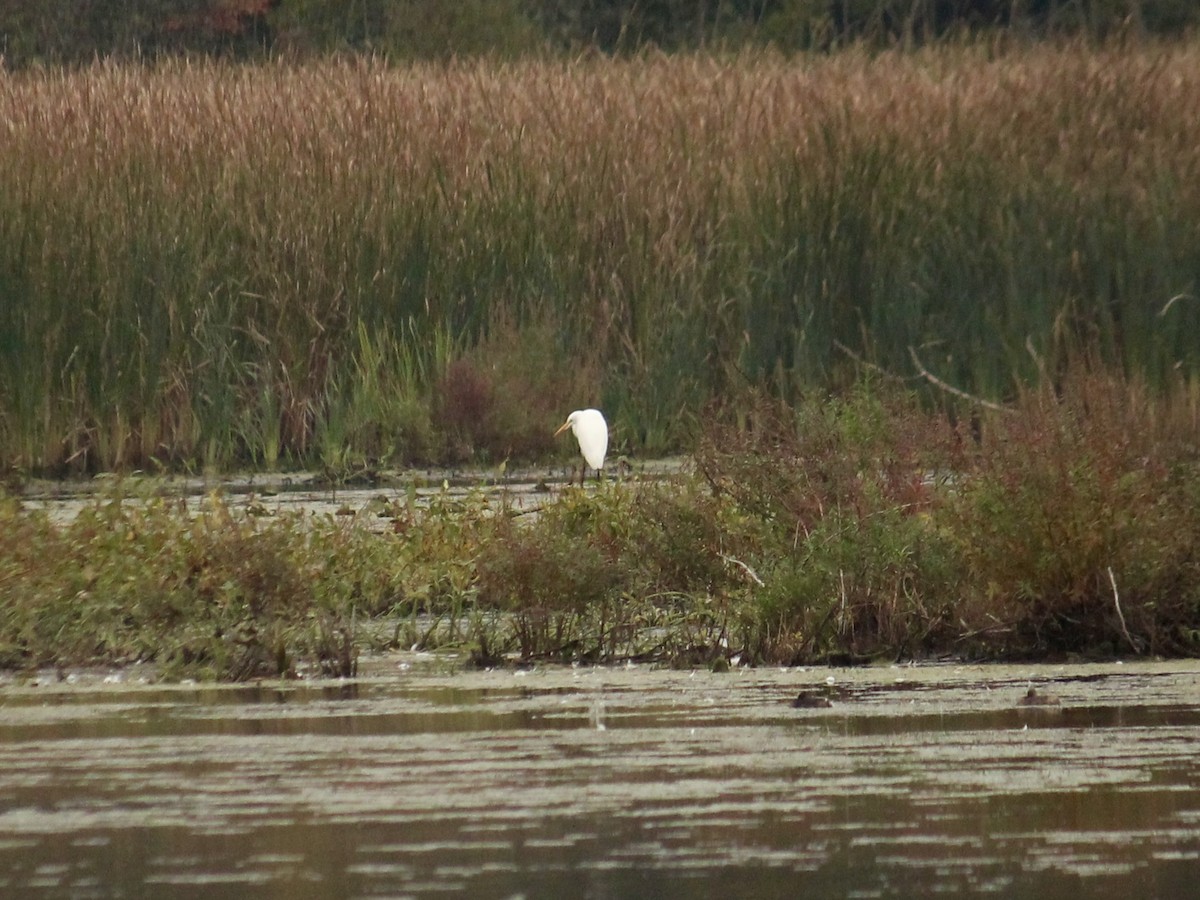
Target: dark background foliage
x=75, y=31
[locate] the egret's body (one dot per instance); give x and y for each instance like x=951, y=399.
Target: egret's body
x=591, y=431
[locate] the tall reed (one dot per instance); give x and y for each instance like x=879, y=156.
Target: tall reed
x=212, y=264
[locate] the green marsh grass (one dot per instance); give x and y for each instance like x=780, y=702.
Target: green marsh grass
x=215, y=265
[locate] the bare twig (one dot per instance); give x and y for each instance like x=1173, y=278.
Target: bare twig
x=858, y=358
x=951, y=389
x=750, y=573
x=1112, y=579
x=1037, y=358
x=1162, y=312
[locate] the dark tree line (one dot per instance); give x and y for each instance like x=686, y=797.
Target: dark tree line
x=73, y=31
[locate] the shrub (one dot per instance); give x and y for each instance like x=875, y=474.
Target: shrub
x=1076, y=522
x=855, y=565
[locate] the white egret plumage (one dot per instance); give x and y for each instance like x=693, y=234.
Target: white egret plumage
x=591, y=431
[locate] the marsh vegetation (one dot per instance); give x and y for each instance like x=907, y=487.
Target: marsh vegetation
x=345, y=263
x=925, y=322
x=850, y=530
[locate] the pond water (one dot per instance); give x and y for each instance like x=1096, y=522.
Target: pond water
x=420, y=779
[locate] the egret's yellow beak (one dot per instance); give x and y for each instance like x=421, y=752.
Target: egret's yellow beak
x=565, y=425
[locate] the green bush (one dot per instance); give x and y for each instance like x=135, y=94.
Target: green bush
x=210, y=595
x=1076, y=524
x=856, y=565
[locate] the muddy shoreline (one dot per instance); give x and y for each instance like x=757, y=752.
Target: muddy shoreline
x=317, y=493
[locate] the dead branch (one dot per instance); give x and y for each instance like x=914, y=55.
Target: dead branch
x=951, y=389
x=1120, y=615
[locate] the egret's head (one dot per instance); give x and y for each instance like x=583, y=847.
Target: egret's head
x=571, y=420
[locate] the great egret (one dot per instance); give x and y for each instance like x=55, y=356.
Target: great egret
x=592, y=433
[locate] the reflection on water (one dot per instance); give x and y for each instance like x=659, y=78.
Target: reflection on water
x=607, y=783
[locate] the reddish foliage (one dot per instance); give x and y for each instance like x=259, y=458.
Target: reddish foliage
x=464, y=409
x=224, y=18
